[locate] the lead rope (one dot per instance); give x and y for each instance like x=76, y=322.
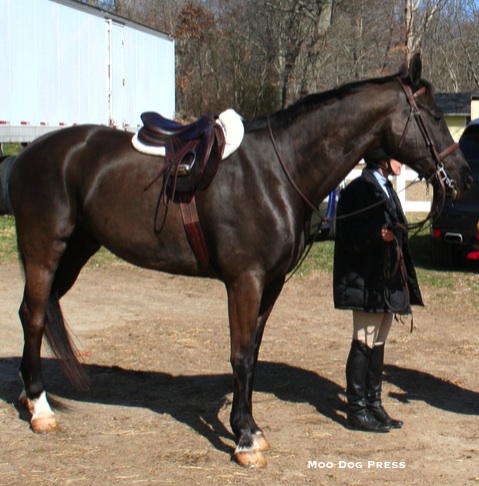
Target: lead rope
x=394, y=262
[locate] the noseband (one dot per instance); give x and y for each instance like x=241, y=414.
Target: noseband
x=440, y=172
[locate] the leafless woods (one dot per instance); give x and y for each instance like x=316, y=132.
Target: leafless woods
x=261, y=55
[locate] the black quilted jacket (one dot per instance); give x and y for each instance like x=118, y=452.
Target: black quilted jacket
x=363, y=263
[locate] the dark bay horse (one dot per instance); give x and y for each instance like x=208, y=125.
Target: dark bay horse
x=77, y=189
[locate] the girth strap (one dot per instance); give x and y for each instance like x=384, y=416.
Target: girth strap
x=194, y=233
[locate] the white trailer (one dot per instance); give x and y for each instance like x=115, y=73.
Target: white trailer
x=64, y=63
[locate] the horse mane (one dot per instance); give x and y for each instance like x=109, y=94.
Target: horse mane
x=283, y=118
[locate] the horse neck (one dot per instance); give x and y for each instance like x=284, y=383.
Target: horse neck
x=326, y=143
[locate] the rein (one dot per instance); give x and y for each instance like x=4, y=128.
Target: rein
x=298, y=190
x=394, y=263
x=288, y=175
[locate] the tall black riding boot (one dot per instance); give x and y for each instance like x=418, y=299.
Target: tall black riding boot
x=359, y=416
x=374, y=380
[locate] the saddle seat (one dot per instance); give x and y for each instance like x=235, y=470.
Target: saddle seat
x=157, y=128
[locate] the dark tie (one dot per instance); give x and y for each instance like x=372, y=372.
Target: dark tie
x=390, y=192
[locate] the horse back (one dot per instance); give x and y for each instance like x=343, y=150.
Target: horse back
x=90, y=179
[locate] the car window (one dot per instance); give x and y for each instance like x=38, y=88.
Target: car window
x=470, y=148
x=474, y=165
x=469, y=145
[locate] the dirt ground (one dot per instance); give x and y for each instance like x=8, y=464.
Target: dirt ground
x=157, y=350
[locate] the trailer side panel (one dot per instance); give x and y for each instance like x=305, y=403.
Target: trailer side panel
x=62, y=64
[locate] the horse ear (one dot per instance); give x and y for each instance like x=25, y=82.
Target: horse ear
x=415, y=69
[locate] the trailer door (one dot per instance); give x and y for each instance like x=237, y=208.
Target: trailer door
x=116, y=73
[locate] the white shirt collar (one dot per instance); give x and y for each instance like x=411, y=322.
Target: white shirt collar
x=383, y=180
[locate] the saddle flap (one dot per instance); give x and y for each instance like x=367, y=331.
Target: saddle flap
x=200, y=159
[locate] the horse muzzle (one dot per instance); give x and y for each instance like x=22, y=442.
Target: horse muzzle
x=447, y=184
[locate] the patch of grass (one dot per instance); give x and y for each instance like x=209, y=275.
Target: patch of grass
x=8, y=240
x=12, y=148
x=319, y=258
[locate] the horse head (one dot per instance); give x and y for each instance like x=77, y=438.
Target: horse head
x=420, y=138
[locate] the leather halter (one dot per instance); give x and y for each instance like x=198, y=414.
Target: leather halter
x=440, y=171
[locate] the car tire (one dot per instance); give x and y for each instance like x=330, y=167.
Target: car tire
x=443, y=254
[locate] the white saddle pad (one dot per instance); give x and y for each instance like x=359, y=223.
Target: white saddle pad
x=230, y=122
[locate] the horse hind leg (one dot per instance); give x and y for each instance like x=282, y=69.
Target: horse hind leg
x=79, y=250
x=33, y=315
x=40, y=313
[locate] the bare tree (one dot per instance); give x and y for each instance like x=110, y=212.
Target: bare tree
x=418, y=17
x=196, y=31
x=260, y=55
x=296, y=30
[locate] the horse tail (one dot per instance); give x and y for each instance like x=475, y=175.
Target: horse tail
x=63, y=347
x=6, y=164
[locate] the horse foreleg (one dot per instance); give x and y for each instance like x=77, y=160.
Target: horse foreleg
x=248, y=312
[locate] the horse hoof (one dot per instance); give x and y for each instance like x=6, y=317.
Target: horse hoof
x=250, y=458
x=43, y=423
x=260, y=443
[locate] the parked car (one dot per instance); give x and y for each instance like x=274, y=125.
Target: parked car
x=455, y=234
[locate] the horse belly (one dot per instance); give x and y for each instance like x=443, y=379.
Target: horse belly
x=129, y=224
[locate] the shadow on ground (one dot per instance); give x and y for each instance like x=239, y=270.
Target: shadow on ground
x=196, y=400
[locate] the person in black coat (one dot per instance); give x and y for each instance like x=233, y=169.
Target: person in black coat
x=373, y=276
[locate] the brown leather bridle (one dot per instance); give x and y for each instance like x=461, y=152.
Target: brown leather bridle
x=440, y=172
